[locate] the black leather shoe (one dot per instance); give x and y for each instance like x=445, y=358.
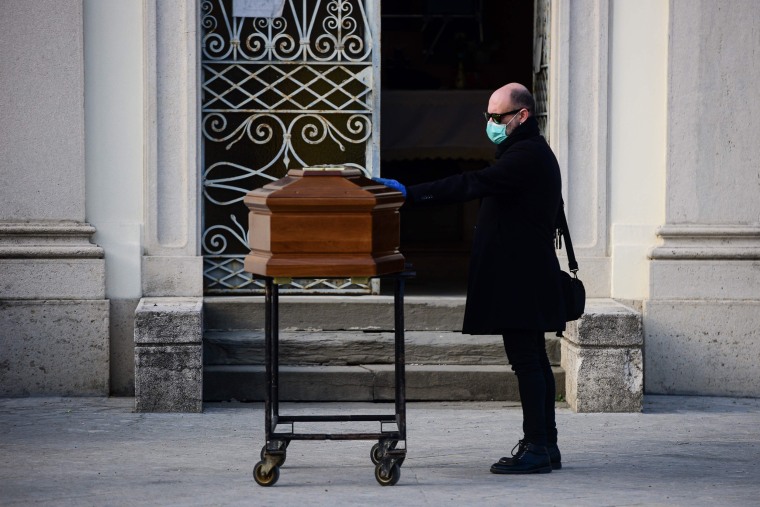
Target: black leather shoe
x=519, y=448
x=533, y=460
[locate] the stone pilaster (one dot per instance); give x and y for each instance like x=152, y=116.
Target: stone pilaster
x=172, y=265
x=168, y=367
x=702, y=321
x=53, y=312
x=703, y=317
x=578, y=130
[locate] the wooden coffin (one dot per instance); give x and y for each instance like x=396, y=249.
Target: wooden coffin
x=324, y=222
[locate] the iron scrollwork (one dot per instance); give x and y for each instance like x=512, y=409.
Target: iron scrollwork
x=341, y=35
x=277, y=93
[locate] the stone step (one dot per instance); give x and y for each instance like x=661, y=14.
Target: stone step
x=335, y=313
x=346, y=348
x=368, y=382
x=340, y=348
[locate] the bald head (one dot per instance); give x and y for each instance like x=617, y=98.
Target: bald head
x=510, y=97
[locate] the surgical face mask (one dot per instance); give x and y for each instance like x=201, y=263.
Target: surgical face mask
x=497, y=132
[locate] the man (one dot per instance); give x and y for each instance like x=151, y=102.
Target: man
x=514, y=280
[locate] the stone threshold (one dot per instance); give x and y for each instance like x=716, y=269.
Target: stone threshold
x=368, y=382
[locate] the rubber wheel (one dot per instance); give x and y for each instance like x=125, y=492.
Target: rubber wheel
x=376, y=454
x=390, y=480
x=265, y=479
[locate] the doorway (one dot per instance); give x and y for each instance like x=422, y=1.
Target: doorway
x=440, y=61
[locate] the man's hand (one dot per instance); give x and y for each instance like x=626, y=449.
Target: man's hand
x=392, y=184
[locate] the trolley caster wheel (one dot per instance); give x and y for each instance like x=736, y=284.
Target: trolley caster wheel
x=280, y=460
x=394, y=473
x=380, y=449
x=376, y=454
x=263, y=479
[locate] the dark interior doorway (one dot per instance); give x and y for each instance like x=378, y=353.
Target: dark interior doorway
x=440, y=61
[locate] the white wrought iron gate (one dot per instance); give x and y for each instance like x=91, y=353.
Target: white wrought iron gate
x=281, y=93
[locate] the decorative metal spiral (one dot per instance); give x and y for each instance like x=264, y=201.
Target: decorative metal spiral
x=277, y=92
x=215, y=238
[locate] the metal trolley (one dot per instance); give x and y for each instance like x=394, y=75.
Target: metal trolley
x=386, y=454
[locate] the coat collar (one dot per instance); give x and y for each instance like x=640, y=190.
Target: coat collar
x=528, y=129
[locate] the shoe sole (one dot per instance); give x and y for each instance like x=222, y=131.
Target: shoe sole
x=555, y=466
x=508, y=471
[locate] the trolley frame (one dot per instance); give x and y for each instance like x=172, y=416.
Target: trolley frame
x=385, y=454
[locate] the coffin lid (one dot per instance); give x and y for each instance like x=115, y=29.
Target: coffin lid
x=326, y=188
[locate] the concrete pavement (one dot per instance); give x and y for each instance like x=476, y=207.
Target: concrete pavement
x=97, y=451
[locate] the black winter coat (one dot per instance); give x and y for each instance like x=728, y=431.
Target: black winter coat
x=514, y=281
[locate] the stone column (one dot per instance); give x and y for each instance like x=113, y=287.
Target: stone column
x=578, y=116
x=53, y=311
x=172, y=264
x=702, y=323
x=172, y=267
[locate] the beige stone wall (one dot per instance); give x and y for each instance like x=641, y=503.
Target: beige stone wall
x=654, y=118
x=702, y=321
x=114, y=163
x=53, y=313
x=42, y=99
x=637, y=141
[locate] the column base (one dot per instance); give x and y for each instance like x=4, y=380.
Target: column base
x=602, y=359
x=169, y=355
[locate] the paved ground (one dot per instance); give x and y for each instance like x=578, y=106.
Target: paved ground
x=92, y=451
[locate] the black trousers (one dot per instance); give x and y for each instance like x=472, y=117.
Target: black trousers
x=526, y=351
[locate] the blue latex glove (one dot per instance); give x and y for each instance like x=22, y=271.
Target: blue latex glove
x=395, y=185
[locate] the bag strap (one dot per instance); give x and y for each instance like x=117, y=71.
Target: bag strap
x=564, y=230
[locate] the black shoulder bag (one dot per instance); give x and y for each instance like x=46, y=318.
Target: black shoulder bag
x=572, y=288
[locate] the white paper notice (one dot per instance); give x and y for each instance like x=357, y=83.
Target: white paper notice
x=257, y=8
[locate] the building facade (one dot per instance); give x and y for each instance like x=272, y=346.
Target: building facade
x=651, y=110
